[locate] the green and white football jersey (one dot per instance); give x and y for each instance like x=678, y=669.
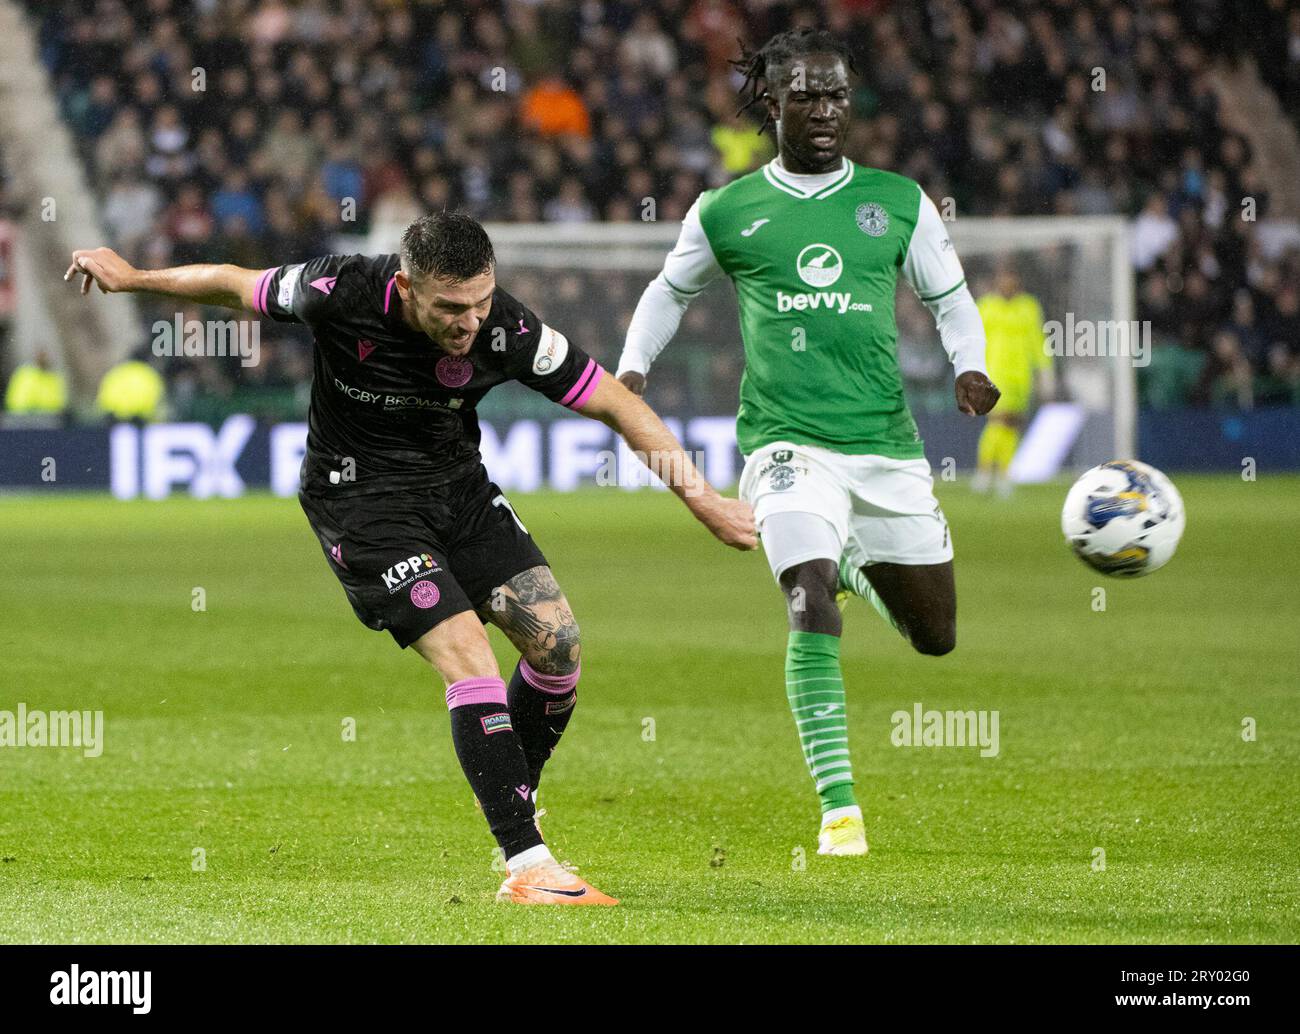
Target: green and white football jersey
x=815, y=263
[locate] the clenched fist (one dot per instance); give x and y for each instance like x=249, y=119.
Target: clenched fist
x=976, y=394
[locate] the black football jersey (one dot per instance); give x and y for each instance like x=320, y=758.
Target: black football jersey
x=389, y=409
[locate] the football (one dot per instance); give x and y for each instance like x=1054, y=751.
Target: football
x=1123, y=518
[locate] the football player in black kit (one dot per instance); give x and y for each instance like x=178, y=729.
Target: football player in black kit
x=425, y=545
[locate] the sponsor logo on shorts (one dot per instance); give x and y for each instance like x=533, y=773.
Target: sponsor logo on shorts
x=406, y=571
x=782, y=471
x=453, y=371
x=496, y=722
x=424, y=594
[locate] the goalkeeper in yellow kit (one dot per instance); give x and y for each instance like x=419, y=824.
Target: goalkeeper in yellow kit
x=1019, y=365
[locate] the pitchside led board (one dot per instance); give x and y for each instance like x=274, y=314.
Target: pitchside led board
x=243, y=455
x=156, y=460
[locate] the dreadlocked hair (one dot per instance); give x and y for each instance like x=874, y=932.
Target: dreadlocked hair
x=777, y=52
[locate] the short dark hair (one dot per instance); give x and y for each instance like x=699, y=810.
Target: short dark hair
x=757, y=66
x=449, y=245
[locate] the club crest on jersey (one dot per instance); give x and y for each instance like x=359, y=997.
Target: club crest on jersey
x=453, y=371
x=819, y=265
x=872, y=219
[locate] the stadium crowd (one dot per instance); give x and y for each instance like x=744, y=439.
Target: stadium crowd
x=254, y=131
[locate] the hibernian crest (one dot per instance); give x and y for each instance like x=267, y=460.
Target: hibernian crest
x=782, y=478
x=872, y=219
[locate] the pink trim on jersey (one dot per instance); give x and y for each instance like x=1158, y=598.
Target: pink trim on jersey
x=548, y=683
x=476, y=691
x=260, y=289
x=577, y=386
x=582, y=399
x=584, y=386
x=388, y=291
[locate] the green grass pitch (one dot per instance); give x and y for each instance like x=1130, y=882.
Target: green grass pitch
x=1121, y=729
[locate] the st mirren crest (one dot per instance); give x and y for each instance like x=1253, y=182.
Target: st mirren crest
x=872, y=219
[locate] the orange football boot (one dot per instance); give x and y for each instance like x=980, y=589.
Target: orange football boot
x=549, y=883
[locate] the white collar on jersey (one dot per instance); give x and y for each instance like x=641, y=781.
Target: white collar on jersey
x=808, y=184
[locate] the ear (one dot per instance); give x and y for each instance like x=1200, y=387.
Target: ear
x=403, y=285
x=773, y=106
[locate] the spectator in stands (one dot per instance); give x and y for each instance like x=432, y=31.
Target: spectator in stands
x=235, y=198
x=554, y=108
x=1153, y=232
x=647, y=48
x=1280, y=383
x=37, y=388
x=739, y=147
x=569, y=206
x=130, y=208
x=1227, y=379
x=132, y=390
x=123, y=147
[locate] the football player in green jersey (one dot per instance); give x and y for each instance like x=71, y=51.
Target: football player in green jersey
x=835, y=468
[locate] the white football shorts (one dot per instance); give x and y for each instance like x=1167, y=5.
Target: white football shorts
x=880, y=510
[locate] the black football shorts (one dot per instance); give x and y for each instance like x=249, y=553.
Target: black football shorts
x=409, y=559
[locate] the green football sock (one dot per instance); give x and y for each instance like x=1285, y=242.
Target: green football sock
x=855, y=581
x=815, y=689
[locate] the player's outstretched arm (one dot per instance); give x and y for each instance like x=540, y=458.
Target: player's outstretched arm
x=688, y=269
x=225, y=285
x=730, y=520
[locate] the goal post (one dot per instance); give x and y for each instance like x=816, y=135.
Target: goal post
x=1080, y=270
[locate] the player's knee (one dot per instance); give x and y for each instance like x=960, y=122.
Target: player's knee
x=810, y=597
x=559, y=652
x=935, y=641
